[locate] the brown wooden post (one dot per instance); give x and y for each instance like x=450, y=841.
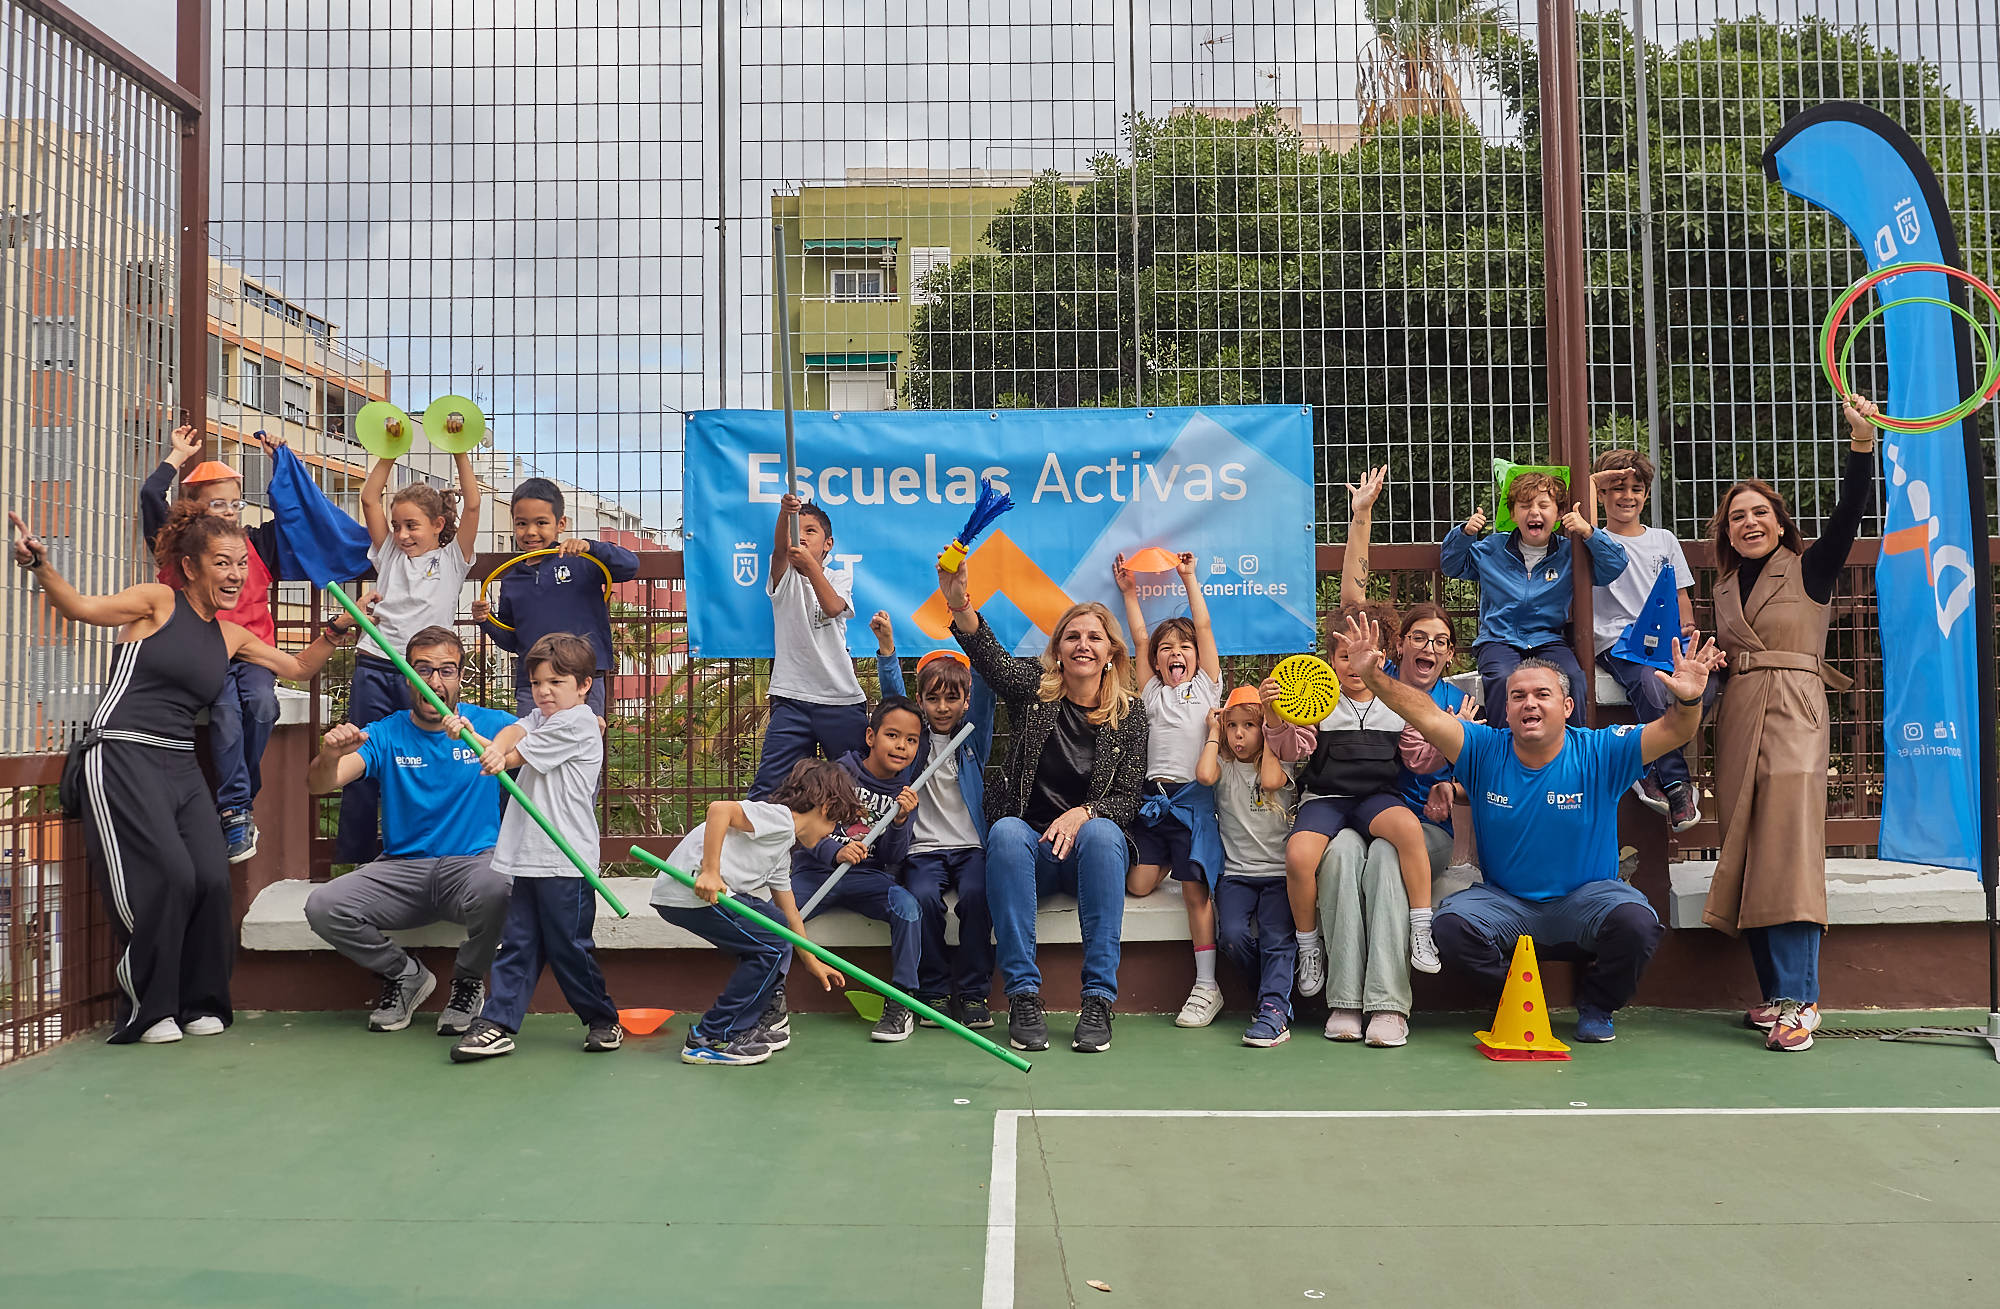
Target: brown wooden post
x=191, y=71
x=1565, y=290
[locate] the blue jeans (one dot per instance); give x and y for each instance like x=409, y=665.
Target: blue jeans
x=761, y=957
x=1253, y=929
x=1021, y=872
x=549, y=920
x=1650, y=700
x=796, y=727
x=1497, y=662
x=968, y=971
x=239, y=727
x=1476, y=930
x=1786, y=956
x=377, y=692
x=874, y=894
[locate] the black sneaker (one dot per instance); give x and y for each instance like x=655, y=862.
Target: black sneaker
x=745, y=1049
x=483, y=1040
x=896, y=1025
x=972, y=1011
x=1093, y=1026
x=467, y=995
x=1027, y=1029
x=602, y=1037
x=776, y=1018
x=772, y=1038
x=1683, y=806
x=940, y=1004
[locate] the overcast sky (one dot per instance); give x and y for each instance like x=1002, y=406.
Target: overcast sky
x=492, y=199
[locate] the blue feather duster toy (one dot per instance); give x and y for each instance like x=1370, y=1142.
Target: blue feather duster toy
x=990, y=505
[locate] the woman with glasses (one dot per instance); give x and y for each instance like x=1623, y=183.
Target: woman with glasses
x=245, y=708
x=150, y=832
x=1364, y=910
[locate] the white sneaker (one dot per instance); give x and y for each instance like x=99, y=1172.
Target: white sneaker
x=1312, y=968
x=1204, y=1005
x=1343, y=1025
x=164, y=1032
x=206, y=1025
x=1386, y=1031
x=1423, y=950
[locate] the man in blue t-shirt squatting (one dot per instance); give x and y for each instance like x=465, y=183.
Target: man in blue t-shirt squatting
x=440, y=821
x=1544, y=800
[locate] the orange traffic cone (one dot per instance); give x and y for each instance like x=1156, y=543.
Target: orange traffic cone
x=1521, y=1025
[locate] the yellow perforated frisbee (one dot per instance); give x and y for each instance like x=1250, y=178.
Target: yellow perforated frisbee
x=1309, y=689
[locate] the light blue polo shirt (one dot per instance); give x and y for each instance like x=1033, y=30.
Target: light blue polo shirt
x=1545, y=831
x=435, y=800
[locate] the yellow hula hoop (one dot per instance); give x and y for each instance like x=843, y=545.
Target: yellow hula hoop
x=536, y=554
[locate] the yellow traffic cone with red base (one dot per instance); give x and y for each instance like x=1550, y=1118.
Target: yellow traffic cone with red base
x=1521, y=1025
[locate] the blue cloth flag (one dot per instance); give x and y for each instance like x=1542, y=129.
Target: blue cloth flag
x=1649, y=640
x=317, y=542
x=1863, y=168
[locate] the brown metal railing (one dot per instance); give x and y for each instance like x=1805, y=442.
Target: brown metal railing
x=684, y=732
x=55, y=942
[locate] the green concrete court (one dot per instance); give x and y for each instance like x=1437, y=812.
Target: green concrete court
x=299, y=1160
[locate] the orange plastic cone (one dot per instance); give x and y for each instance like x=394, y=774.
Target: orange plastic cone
x=1521, y=1025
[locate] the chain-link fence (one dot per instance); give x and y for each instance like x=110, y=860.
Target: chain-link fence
x=89, y=166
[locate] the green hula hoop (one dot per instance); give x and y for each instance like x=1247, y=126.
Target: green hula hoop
x=1930, y=422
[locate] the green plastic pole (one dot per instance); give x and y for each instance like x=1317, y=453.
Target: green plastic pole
x=512, y=788
x=828, y=957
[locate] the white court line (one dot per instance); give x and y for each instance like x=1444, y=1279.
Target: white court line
x=1001, y=1185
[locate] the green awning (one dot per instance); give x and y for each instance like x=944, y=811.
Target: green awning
x=826, y=243
x=852, y=359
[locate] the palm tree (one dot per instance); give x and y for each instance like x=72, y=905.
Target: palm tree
x=1407, y=69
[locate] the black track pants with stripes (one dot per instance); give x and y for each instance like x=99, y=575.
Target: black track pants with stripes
x=155, y=845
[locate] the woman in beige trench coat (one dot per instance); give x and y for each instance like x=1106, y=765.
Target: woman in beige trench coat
x=1771, y=609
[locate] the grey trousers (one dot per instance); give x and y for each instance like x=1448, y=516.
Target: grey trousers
x=352, y=912
x=1364, y=914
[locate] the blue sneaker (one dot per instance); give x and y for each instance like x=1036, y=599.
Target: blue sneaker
x=1594, y=1024
x=744, y=1049
x=239, y=831
x=1272, y=1026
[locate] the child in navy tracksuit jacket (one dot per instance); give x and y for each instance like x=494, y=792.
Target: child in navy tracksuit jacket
x=869, y=887
x=1524, y=585
x=948, y=831
x=555, y=593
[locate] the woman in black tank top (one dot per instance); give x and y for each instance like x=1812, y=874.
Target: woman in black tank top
x=151, y=830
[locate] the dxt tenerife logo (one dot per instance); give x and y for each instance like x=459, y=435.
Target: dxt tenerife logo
x=1940, y=561
x=745, y=569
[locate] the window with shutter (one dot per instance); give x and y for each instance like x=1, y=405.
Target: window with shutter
x=923, y=260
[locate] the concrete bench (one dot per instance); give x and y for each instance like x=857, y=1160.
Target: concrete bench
x=1858, y=892
x=277, y=921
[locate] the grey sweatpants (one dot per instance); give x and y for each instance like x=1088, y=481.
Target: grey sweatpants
x=352, y=912
x=1365, y=915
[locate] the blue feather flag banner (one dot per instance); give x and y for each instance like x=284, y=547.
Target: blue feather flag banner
x=317, y=542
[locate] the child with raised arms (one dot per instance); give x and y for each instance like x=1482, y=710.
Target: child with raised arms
x=816, y=700
x=559, y=751
x=1253, y=810
x=743, y=848
x=422, y=548
x=1524, y=583
x=1350, y=769
x=948, y=830
x=1175, y=833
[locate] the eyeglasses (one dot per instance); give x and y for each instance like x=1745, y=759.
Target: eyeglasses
x=214, y=505
x=1428, y=642
x=428, y=671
